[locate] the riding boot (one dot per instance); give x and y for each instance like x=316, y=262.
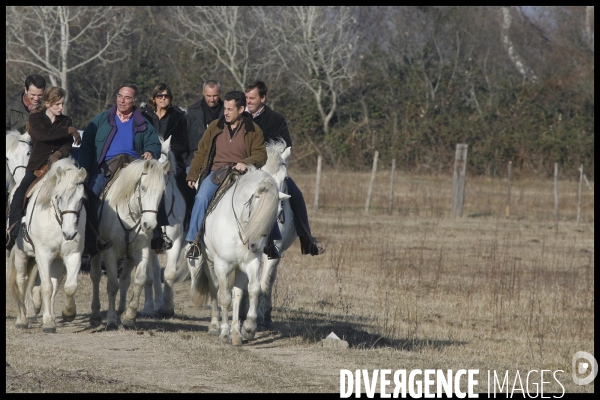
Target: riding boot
x=16, y=209
x=308, y=244
x=160, y=241
x=94, y=243
x=271, y=250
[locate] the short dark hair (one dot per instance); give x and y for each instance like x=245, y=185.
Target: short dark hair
x=238, y=96
x=161, y=87
x=36, y=81
x=262, y=88
x=131, y=86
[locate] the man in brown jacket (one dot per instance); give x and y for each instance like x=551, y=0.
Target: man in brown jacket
x=233, y=138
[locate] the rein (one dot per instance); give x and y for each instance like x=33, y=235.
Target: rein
x=237, y=221
x=18, y=166
x=138, y=223
x=59, y=215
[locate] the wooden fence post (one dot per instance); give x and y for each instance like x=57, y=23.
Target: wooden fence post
x=392, y=187
x=579, y=193
x=373, y=171
x=458, y=186
x=507, y=209
x=318, y=183
x=556, y=194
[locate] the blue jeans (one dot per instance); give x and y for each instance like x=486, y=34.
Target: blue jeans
x=203, y=197
x=98, y=182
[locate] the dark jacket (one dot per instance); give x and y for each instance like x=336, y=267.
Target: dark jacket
x=196, y=126
x=102, y=128
x=17, y=114
x=174, y=125
x=204, y=156
x=273, y=126
x=48, y=137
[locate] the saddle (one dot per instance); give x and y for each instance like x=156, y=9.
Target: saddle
x=229, y=176
x=111, y=169
x=39, y=173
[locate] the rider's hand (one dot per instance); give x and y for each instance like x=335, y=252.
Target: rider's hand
x=147, y=156
x=240, y=167
x=76, y=136
x=191, y=184
x=55, y=157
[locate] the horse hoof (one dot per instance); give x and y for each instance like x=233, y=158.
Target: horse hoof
x=248, y=335
x=213, y=331
x=68, y=318
x=21, y=326
x=164, y=313
x=37, y=310
x=32, y=320
x=236, y=341
x=51, y=329
x=127, y=323
x=224, y=339
x=95, y=321
x=112, y=326
x=148, y=314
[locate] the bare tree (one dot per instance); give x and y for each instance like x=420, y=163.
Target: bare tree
x=227, y=35
x=514, y=56
x=316, y=45
x=60, y=39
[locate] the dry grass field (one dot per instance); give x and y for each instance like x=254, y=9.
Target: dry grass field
x=417, y=289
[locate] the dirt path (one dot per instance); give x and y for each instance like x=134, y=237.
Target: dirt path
x=175, y=355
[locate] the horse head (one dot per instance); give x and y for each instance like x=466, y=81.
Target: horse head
x=277, y=162
x=64, y=190
x=166, y=155
x=18, y=150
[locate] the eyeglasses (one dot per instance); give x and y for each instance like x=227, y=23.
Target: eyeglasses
x=160, y=96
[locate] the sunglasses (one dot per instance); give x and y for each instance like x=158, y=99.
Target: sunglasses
x=160, y=96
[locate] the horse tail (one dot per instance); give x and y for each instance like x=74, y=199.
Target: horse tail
x=264, y=211
x=199, y=290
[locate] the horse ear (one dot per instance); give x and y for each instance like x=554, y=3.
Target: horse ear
x=82, y=174
x=286, y=154
x=59, y=173
x=166, y=145
x=283, y=196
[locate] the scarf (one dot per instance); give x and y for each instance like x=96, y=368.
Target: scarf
x=30, y=106
x=211, y=113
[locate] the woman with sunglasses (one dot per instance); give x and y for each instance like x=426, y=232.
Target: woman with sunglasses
x=169, y=122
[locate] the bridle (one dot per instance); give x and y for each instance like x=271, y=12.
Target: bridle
x=58, y=214
x=14, y=171
x=138, y=223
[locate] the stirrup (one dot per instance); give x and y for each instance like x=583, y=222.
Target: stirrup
x=272, y=252
x=161, y=244
x=193, y=252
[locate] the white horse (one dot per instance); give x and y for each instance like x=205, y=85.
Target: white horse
x=127, y=216
x=54, y=228
x=234, y=238
x=18, y=149
x=161, y=301
x=276, y=165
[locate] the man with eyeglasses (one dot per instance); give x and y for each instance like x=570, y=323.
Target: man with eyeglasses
x=122, y=129
x=21, y=104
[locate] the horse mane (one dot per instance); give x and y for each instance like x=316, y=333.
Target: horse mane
x=263, y=215
x=274, y=150
x=66, y=186
x=13, y=137
x=124, y=185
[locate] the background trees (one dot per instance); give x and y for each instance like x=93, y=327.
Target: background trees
x=515, y=83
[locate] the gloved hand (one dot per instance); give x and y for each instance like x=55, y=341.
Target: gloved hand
x=75, y=133
x=54, y=157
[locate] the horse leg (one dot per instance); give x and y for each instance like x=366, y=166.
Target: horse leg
x=112, y=286
x=236, y=336
x=72, y=264
x=33, y=299
x=213, y=328
x=19, y=269
x=148, y=310
x=252, y=270
x=141, y=273
x=224, y=293
x=267, y=280
x=167, y=309
x=124, y=283
x=95, y=275
x=44, y=264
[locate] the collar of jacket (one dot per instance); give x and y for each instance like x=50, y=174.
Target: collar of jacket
x=247, y=119
x=139, y=122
